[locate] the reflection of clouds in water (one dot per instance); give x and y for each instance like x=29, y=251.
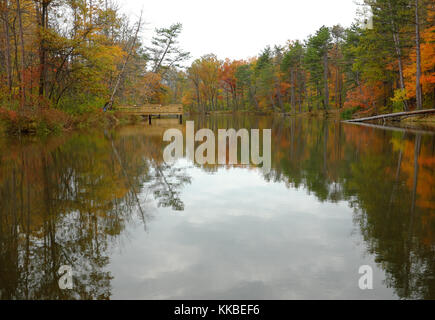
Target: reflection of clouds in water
x=242, y=234
x=246, y=197
x=250, y=240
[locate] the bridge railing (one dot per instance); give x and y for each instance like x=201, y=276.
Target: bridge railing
x=153, y=109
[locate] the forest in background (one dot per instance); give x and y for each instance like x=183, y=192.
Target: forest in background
x=383, y=63
x=79, y=56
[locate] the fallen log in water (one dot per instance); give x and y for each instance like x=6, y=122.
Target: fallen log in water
x=398, y=129
x=394, y=116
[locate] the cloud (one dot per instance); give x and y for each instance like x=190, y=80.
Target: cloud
x=241, y=29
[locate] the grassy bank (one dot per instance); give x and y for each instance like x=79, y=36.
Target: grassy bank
x=43, y=121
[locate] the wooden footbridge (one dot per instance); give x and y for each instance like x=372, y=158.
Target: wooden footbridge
x=154, y=110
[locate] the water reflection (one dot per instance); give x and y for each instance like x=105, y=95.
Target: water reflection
x=219, y=232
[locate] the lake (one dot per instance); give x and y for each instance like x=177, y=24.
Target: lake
x=130, y=226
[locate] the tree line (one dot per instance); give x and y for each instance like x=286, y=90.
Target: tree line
x=77, y=55
x=383, y=62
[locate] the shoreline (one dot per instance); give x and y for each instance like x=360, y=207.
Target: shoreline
x=313, y=113
x=47, y=121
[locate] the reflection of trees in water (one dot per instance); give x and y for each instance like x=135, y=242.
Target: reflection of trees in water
x=49, y=220
x=399, y=230
x=388, y=178
x=67, y=203
x=166, y=183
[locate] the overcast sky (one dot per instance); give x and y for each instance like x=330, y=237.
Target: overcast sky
x=239, y=29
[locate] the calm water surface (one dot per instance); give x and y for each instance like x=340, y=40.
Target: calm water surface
x=132, y=227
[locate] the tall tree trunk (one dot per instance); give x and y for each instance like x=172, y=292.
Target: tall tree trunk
x=336, y=86
x=397, y=47
x=272, y=101
x=304, y=96
x=293, y=83
x=198, y=99
x=23, y=67
x=325, y=79
x=319, y=99
x=7, y=50
x=418, y=93
x=309, y=99
x=253, y=99
x=340, y=88
x=278, y=95
x=16, y=64
x=109, y=104
x=234, y=97
x=400, y=63
x=43, y=14
x=228, y=99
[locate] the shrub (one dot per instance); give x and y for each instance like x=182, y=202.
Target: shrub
x=348, y=113
x=398, y=100
x=34, y=121
x=81, y=104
